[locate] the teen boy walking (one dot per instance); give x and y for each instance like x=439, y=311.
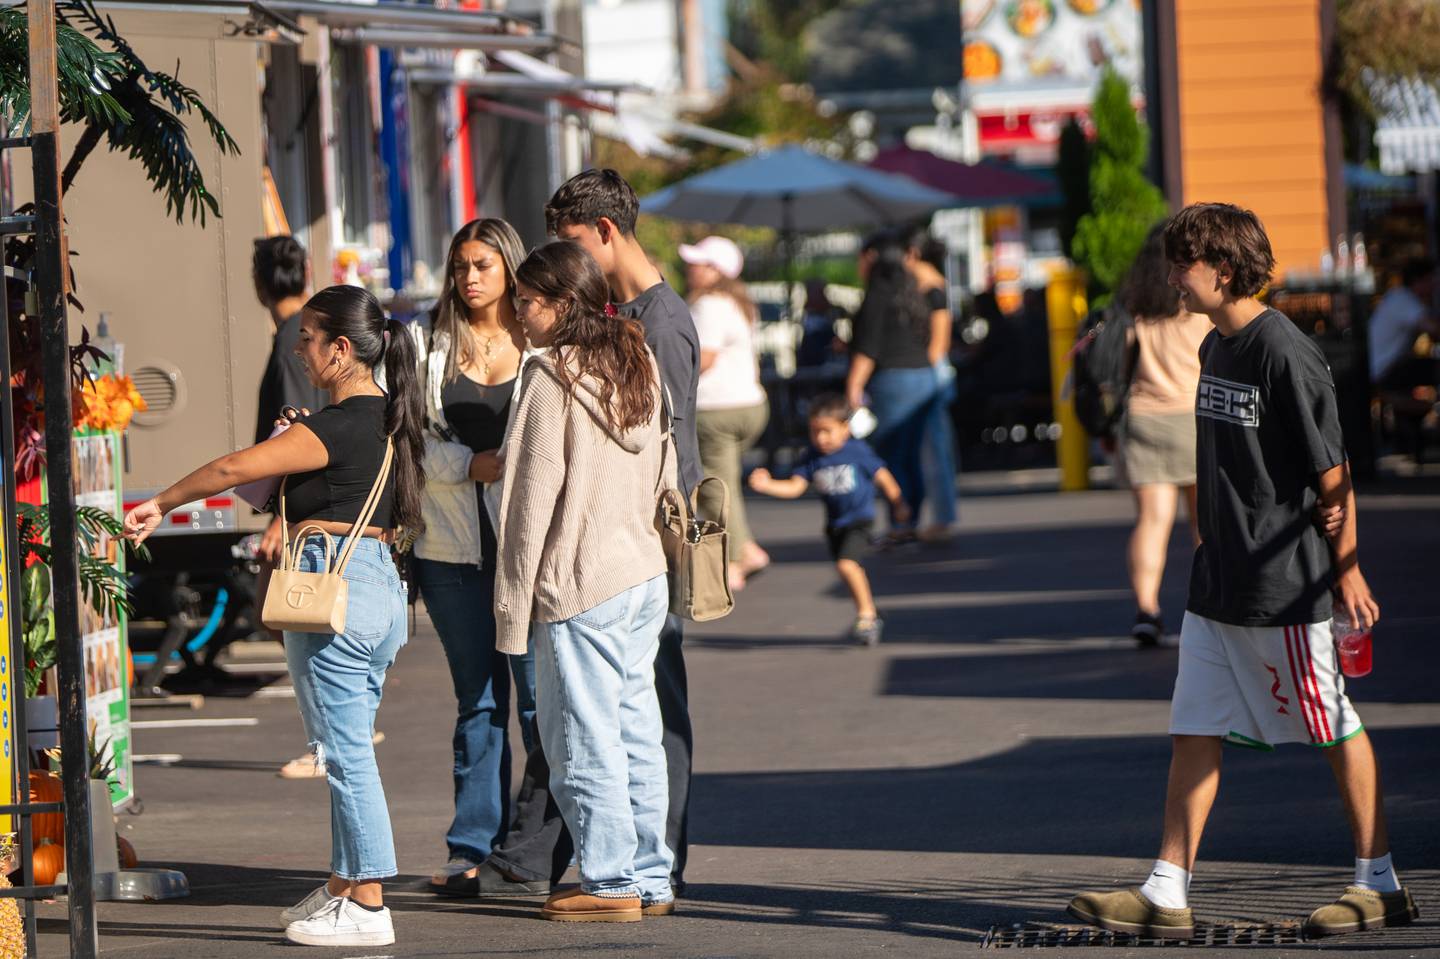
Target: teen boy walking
x=1257, y=661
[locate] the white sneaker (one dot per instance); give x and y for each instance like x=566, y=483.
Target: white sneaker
x=341, y=922
x=307, y=907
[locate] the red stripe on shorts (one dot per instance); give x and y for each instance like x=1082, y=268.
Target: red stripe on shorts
x=1300, y=690
x=1315, y=684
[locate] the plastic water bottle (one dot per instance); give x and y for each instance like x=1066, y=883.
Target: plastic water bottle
x=1342, y=255
x=1353, y=646
x=1359, y=256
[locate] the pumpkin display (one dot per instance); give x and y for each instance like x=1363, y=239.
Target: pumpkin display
x=48, y=862
x=126, y=853
x=45, y=787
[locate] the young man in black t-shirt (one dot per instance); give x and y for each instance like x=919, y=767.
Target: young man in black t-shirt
x=1257, y=660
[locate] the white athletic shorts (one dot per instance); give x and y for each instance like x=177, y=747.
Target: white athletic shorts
x=1260, y=686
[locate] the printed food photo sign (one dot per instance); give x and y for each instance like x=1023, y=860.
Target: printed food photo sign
x=1068, y=41
x=96, y=463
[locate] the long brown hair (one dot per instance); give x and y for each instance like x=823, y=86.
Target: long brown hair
x=451, y=313
x=735, y=290
x=611, y=349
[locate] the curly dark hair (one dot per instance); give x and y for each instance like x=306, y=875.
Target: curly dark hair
x=1146, y=290
x=586, y=197
x=609, y=348
x=1222, y=234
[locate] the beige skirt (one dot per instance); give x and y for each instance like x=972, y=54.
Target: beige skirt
x=1158, y=449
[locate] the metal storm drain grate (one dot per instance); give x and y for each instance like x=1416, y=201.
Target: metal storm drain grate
x=1028, y=936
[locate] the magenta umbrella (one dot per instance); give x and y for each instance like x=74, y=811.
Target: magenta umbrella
x=972, y=184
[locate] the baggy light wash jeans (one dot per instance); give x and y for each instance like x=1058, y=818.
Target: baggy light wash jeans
x=338, y=679
x=600, y=727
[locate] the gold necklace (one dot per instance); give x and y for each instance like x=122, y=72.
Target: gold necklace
x=489, y=348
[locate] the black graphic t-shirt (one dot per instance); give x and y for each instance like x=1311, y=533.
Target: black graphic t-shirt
x=1266, y=427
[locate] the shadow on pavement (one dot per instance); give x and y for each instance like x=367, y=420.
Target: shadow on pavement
x=1076, y=797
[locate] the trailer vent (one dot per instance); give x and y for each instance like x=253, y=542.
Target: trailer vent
x=161, y=387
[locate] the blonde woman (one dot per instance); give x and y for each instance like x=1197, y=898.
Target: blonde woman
x=731, y=409
x=1156, y=442
x=471, y=355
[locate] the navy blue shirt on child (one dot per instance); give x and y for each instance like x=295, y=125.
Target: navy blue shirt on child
x=844, y=481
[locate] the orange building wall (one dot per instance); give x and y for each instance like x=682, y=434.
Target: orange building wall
x=1251, y=120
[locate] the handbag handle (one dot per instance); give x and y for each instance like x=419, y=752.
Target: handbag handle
x=724, y=500
x=367, y=511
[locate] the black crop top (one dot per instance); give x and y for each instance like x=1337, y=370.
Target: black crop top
x=353, y=432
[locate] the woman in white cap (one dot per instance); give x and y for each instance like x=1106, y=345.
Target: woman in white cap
x=731, y=406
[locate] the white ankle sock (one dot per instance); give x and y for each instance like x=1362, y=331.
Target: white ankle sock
x=1377, y=874
x=1168, y=886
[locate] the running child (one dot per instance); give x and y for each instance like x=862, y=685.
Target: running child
x=845, y=473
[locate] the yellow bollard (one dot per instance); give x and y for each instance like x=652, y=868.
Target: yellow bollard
x=1066, y=307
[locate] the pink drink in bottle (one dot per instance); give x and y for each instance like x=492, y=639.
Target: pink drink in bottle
x=1353, y=645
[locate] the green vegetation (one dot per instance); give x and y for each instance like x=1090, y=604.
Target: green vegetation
x=1124, y=204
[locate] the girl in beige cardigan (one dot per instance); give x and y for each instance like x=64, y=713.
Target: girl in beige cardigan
x=582, y=576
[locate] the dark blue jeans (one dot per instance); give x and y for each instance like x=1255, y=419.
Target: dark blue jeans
x=903, y=401
x=461, y=602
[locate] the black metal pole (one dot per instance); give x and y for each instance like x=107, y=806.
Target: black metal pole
x=15, y=642
x=51, y=275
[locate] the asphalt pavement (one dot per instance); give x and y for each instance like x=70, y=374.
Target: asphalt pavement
x=1001, y=750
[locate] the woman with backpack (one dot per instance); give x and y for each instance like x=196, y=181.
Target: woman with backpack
x=1155, y=440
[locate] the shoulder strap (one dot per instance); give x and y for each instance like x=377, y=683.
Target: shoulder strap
x=368, y=510
x=363, y=520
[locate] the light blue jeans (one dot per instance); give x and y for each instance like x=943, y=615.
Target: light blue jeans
x=600, y=727
x=939, y=456
x=903, y=401
x=338, y=678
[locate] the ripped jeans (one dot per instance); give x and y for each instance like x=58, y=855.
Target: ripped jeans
x=338, y=680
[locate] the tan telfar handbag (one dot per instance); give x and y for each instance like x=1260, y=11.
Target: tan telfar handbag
x=315, y=602
x=696, y=550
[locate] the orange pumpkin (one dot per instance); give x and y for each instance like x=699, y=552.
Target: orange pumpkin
x=48, y=862
x=126, y=852
x=45, y=787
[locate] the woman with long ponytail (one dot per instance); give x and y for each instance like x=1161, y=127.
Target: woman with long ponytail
x=330, y=462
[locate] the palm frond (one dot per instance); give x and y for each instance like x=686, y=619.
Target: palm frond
x=85, y=74
x=155, y=132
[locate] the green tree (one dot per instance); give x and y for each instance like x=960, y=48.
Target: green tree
x=114, y=97
x=1383, y=40
x=1124, y=204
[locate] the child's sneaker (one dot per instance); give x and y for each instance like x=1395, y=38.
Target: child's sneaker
x=342, y=922
x=867, y=632
x=1148, y=629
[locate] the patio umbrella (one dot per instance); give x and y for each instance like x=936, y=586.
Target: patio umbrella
x=794, y=190
x=971, y=184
